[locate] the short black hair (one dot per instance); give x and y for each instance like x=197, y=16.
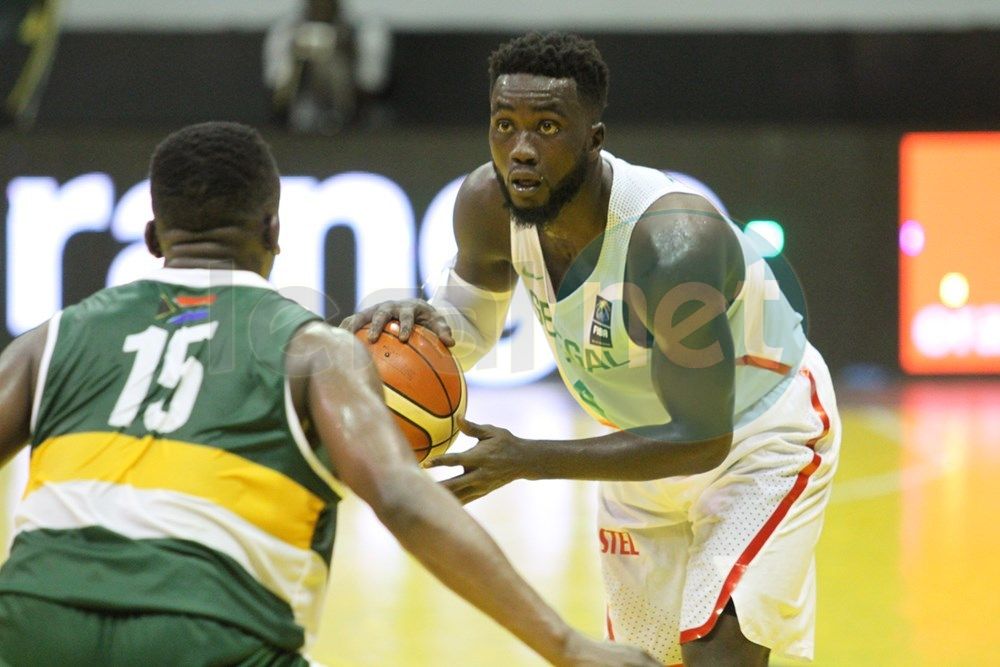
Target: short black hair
x=212, y=175
x=557, y=55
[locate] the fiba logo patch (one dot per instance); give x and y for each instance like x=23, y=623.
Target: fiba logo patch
x=600, y=326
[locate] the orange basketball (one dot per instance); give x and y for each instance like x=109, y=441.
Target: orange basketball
x=424, y=387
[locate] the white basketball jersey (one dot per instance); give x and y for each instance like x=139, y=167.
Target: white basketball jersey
x=607, y=373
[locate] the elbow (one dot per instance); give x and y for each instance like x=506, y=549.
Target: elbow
x=715, y=451
x=692, y=455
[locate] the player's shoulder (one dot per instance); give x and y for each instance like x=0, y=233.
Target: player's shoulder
x=480, y=197
x=318, y=346
x=680, y=228
x=481, y=184
x=25, y=351
x=318, y=334
x=31, y=342
x=481, y=216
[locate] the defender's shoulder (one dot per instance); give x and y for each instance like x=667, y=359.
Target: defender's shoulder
x=317, y=346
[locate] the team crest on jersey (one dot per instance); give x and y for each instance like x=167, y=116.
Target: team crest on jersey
x=600, y=326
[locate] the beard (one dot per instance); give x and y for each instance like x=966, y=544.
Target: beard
x=561, y=194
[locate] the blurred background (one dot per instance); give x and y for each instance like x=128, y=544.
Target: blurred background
x=861, y=139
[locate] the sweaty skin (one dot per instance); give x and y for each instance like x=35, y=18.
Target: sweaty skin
x=539, y=130
x=338, y=396
x=682, y=270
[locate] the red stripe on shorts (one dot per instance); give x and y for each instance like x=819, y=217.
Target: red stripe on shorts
x=757, y=543
x=611, y=629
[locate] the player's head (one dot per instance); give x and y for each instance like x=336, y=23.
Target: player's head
x=215, y=184
x=547, y=94
x=556, y=55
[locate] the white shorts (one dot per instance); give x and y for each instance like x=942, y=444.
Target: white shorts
x=675, y=551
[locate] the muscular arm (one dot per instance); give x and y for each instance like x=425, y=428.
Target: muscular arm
x=682, y=268
x=482, y=233
x=475, y=296
x=468, y=310
x=335, y=384
x=680, y=274
x=18, y=369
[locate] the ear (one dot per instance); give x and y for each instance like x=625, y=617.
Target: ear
x=272, y=229
x=152, y=241
x=597, y=137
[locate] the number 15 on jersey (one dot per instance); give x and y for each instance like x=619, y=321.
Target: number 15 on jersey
x=181, y=373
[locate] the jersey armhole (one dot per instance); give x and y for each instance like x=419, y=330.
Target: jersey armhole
x=43, y=368
x=305, y=449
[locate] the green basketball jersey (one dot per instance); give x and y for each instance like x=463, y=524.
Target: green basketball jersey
x=169, y=471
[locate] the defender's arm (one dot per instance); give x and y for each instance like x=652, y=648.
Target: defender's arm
x=335, y=382
x=18, y=370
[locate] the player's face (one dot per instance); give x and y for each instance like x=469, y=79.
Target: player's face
x=540, y=140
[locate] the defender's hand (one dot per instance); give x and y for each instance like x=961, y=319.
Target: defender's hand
x=494, y=461
x=408, y=312
x=584, y=652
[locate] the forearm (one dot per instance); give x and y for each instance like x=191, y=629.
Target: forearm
x=371, y=457
x=476, y=317
x=430, y=524
x=633, y=455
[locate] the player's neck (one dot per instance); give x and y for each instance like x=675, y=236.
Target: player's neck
x=585, y=216
x=212, y=263
x=231, y=248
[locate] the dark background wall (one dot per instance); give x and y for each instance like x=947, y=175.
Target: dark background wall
x=802, y=128
x=901, y=79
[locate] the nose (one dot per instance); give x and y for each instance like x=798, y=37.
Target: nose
x=523, y=150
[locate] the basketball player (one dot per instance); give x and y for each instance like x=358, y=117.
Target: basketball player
x=179, y=510
x=667, y=325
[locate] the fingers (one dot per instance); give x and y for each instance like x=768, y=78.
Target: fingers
x=357, y=321
x=465, y=487
x=454, y=459
x=354, y=322
x=409, y=313
x=425, y=315
x=478, y=431
x=378, y=322
x=457, y=483
x=441, y=329
x=406, y=315
x=649, y=660
x=634, y=656
x=644, y=659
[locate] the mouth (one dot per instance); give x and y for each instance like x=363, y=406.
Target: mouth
x=525, y=184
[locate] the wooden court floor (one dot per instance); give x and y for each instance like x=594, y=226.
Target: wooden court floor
x=907, y=564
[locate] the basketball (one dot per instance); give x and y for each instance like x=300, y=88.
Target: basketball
x=423, y=384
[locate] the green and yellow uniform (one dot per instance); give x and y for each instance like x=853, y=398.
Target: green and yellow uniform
x=169, y=472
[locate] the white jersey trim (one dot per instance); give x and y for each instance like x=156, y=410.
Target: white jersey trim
x=43, y=367
x=299, y=436
x=296, y=575
x=206, y=278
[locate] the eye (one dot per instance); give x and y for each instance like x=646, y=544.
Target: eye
x=548, y=127
x=503, y=125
